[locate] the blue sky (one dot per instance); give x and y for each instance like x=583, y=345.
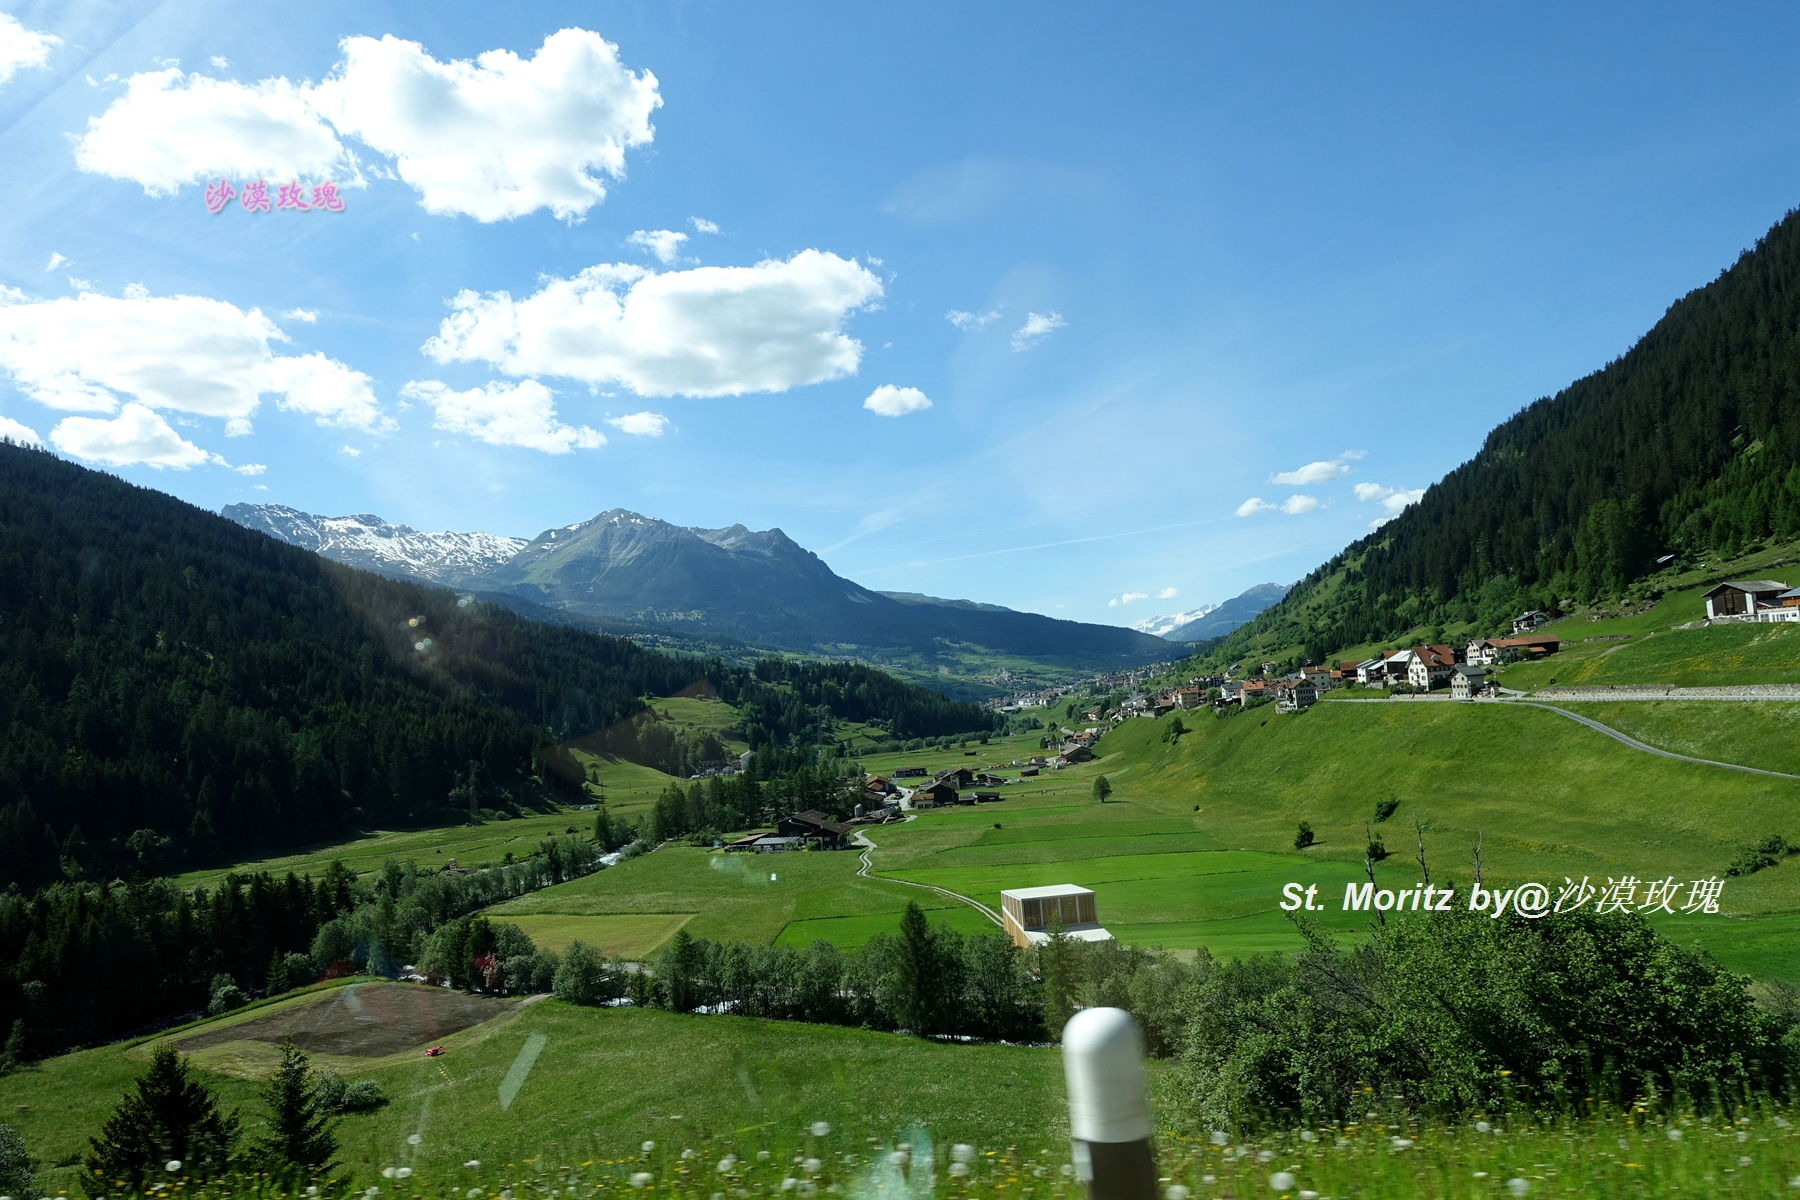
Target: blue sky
x=1196, y=295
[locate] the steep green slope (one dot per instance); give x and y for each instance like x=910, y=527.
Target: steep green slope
x=1688, y=444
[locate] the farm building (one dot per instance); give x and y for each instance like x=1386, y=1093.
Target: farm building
x=1029, y=913
x=1743, y=597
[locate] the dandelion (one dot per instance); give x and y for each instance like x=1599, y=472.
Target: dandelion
x=1517, y=1186
x=415, y=1139
x=1282, y=1181
x=641, y=1179
x=687, y=1154
x=172, y=1166
x=821, y=1128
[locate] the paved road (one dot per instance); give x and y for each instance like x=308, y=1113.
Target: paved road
x=862, y=839
x=1637, y=745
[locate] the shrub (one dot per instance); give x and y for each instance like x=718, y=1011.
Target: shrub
x=1386, y=808
x=1303, y=837
x=16, y=1175
x=225, y=999
x=339, y=1095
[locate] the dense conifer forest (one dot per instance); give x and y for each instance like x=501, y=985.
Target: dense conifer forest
x=172, y=684
x=1688, y=444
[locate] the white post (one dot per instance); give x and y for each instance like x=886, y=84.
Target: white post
x=1109, y=1114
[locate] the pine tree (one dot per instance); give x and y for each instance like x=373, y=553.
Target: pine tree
x=169, y=1115
x=302, y=1134
x=919, y=971
x=12, y=1057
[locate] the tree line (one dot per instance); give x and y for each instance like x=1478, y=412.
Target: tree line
x=1686, y=445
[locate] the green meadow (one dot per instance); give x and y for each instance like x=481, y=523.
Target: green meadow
x=1716, y=656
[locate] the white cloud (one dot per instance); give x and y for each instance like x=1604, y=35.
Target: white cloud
x=1352, y=455
x=495, y=138
x=187, y=353
x=12, y=431
x=22, y=48
x=1113, y=603
x=664, y=243
x=170, y=129
x=890, y=401
x=301, y=314
x=1036, y=327
x=136, y=435
x=643, y=424
x=80, y=285
x=702, y=225
x=56, y=260
x=1167, y=593
x=1312, y=473
x=1131, y=597
x=352, y=451
x=1293, y=506
x=501, y=136
x=1393, y=500
x=505, y=414
x=969, y=320
x=708, y=331
x=220, y=62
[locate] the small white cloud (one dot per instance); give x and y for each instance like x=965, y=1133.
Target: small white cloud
x=643, y=424
x=80, y=285
x=1037, y=326
x=301, y=314
x=1254, y=505
x=22, y=48
x=1133, y=597
x=664, y=243
x=708, y=331
x=1113, y=603
x=1167, y=593
x=12, y=431
x=1295, y=505
x=220, y=62
x=56, y=260
x=969, y=320
x=890, y=401
x=1352, y=455
x=1311, y=474
x=1372, y=491
x=352, y=451
x=702, y=225
x=505, y=414
x=252, y=469
x=136, y=436
x=1393, y=500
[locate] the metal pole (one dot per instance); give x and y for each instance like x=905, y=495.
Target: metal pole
x=1109, y=1114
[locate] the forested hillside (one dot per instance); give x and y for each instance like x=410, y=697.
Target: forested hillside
x=172, y=683
x=1689, y=444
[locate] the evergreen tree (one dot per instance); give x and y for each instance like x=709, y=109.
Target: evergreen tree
x=12, y=1057
x=1060, y=968
x=302, y=1135
x=16, y=1175
x=167, y=1115
x=920, y=972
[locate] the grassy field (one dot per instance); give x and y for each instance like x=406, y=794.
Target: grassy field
x=1718, y=655
x=605, y=1080
x=618, y=935
x=1761, y=734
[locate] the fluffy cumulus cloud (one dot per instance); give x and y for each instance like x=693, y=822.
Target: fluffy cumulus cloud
x=708, y=331
x=21, y=48
x=171, y=128
x=1315, y=473
x=890, y=401
x=1127, y=598
x=505, y=414
x=302, y=314
x=1293, y=506
x=1036, y=328
x=664, y=243
x=493, y=138
x=56, y=260
x=136, y=436
x=641, y=424
x=1168, y=593
x=1392, y=500
x=91, y=353
x=702, y=225
x=22, y=435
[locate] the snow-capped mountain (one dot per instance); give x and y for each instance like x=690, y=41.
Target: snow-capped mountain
x=1164, y=624
x=373, y=544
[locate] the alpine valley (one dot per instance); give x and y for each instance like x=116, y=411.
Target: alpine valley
x=723, y=586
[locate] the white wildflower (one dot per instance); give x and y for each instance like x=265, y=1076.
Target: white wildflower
x=821, y=1128
x=172, y=1166
x=962, y=1152
x=641, y=1179
x=1517, y=1186
x=1281, y=1181
x=415, y=1139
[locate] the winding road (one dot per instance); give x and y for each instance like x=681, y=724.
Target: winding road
x=1616, y=736
x=862, y=839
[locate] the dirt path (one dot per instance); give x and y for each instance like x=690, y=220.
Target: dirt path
x=862, y=839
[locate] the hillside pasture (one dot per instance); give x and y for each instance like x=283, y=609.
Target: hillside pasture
x=1714, y=656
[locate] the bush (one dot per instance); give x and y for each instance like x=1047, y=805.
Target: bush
x=1303, y=837
x=16, y=1175
x=1385, y=809
x=1765, y=853
x=584, y=978
x=339, y=1095
x=225, y=999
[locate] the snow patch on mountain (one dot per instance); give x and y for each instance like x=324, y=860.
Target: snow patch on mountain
x=367, y=541
x=1163, y=624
